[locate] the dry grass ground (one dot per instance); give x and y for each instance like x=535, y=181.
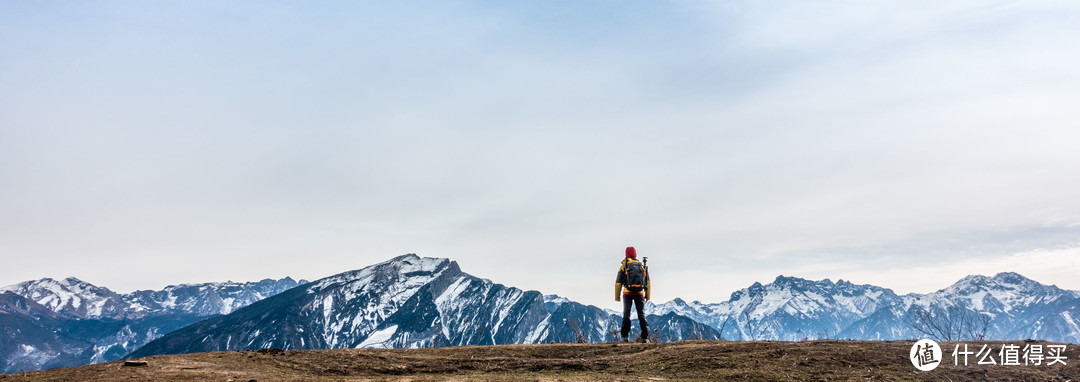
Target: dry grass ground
x=691, y=360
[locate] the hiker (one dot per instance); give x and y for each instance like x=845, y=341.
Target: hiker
x=633, y=286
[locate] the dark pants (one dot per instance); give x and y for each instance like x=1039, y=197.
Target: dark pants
x=638, y=300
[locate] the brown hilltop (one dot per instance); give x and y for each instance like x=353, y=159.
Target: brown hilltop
x=690, y=360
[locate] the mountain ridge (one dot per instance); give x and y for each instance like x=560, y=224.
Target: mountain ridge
x=790, y=308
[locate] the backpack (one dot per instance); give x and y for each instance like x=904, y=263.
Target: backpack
x=635, y=276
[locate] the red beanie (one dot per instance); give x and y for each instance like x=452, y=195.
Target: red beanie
x=631, y=252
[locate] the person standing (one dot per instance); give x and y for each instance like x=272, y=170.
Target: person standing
x=632, y=286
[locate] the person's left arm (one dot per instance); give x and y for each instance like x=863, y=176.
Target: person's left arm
x=619, y=280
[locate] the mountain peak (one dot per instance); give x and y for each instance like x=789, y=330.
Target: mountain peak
x=74, y=280
x=65, y=286
x=399, y=268
x=781, y=279
x=798, y=282
x=1012, y=278
x=1003, y=280
x=410, y=262
x=1002, y=292
x=405, y=257
x=70, y=296
x=973, y=279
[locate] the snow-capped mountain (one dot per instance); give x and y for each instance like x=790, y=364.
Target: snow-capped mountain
x=407, y=302
x=72, y=297
x=75, y=298
x=69, y=322
x=1005, y=306
x=208, y=299
x=787, y=309
x=791, y=308
x=1006, y=293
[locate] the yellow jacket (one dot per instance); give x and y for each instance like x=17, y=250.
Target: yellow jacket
x=620, y=278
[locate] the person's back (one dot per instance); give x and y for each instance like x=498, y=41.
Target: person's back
x=633, y=287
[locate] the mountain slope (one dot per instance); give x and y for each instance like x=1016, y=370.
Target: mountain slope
x=30, y=340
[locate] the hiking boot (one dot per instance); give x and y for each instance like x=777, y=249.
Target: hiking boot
x=626, y=339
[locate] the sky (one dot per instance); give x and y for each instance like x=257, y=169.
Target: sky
x=904, y=144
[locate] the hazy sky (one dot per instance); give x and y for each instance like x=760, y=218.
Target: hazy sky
x=899, y=143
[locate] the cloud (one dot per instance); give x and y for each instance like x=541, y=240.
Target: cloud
x=734, y=138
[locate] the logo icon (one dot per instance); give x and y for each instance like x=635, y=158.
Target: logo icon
x=925, y=355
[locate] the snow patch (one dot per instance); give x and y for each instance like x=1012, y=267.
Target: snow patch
x=1071, y=323
x=379, y=338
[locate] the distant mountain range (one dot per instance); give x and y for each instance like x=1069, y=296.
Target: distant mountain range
x=58, y=323
x=1007, y=306
x=412, y=302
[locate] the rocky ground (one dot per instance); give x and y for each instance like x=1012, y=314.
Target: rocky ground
x=690, y=360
